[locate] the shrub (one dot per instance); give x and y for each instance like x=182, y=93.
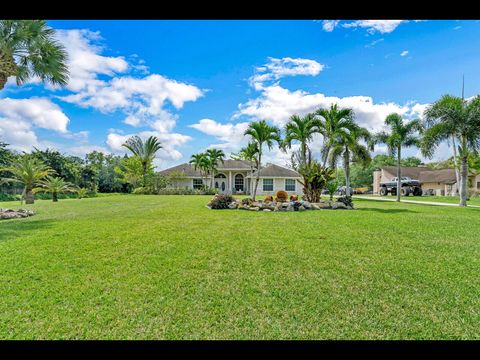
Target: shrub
x=10, y=197
x=221, y=201
x=282, y=196
x=269, y=198
x=247, y=201
x=293, y=198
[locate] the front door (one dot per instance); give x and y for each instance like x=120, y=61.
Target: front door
x=221, y=185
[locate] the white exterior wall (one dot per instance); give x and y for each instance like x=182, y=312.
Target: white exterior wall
x=278, y=184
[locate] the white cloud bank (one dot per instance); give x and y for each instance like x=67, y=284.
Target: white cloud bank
x=371, y=26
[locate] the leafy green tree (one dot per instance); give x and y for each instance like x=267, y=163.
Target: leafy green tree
x=214, y=157
x=82, y=193
x=262, y=133
x=130, y=171
x=333, y=122
x=28, y=49
x=54, y=186
x=315, y=179
x=332, y=187
x=453, y=117
x=301, y=129
x=67, y=167
x=402, y=134
x=144, y=150
x=28, y=171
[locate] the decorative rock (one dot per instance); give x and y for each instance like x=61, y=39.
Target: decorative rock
x=306, y=204
x=339, y=205
x=266, y=210
x=324, y=205
x=289, y=208
x=254, y=208
x=301, y=208
x=233, y=205
x=15, y=214
x=315, y=206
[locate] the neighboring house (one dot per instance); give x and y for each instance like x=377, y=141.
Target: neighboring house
x=236, y=177
x=441, y=182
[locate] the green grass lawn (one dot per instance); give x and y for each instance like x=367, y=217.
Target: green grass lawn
x=445, y=199
x=166, y=267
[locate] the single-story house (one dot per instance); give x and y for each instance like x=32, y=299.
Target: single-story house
x=237, y=177
x=440, y=182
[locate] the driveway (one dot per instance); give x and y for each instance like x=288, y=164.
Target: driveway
x=411, y=201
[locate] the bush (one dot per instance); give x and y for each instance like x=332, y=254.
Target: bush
x=10, y=197
x=268, y=198
x=293, y=198
x=247, y=201
x=48, y=196
x=282, y=196
x=174, y=191
x=221, y=201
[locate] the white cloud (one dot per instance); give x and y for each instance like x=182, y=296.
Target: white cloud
x=85, y=60
x=404, y=53
x=373, y=43
x=372, y=26
x=230, y=135
x=169, y=142
x=329, y=25
x=457, y=27
x=276, y=69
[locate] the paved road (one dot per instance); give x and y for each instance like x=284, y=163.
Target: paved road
x=412, y=201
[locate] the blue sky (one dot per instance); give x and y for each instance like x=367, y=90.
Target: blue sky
x=196, y=84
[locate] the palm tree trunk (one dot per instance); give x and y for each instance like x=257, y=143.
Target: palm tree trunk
x=399, y=173
x=346, y=161
x=463, y=180
x=29, y=199
x=455, y=163
x=144, y=166
x=304, y=152
x=326, y=157
x=54, y=196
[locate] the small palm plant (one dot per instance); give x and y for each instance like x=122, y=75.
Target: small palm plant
x=54, y=186
x=82, y=193
x=28, y=171
x=144, y=150
x=332, y=187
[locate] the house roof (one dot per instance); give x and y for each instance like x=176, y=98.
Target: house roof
x=446, y=176
x=189, y=170
x=423, y=174
x=272, y=170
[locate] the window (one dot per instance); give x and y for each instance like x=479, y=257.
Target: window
x=290, y=184
x=197, y=183
x=478, y=185
x=239, y=182
x=267, y=184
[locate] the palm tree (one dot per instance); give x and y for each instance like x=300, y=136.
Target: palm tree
x=55, y=186
x=145, y=151
x=454, y=117
x=262, y=133
x=401, y=135
x=28, y=48
x=347, y=145
x=202, y=163
x=28, y=170
x=301, y=129
x=333, y=122
x=214, y=156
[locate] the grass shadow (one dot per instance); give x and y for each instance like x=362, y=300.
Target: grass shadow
x=16, y=228
x=387, y=211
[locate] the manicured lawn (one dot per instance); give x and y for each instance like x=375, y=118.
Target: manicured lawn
x=166, y=267
x=445, y=199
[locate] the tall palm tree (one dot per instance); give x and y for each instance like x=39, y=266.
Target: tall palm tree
x=145, y=151
x=348, y=146
x=201, y=163
x=27, y=170
x=262, y=133
x=214, y=156
x=455, y=117
x=54, y=186
x=301, y=129
x=28, y=48
x=402, y=134
x=333, y=122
